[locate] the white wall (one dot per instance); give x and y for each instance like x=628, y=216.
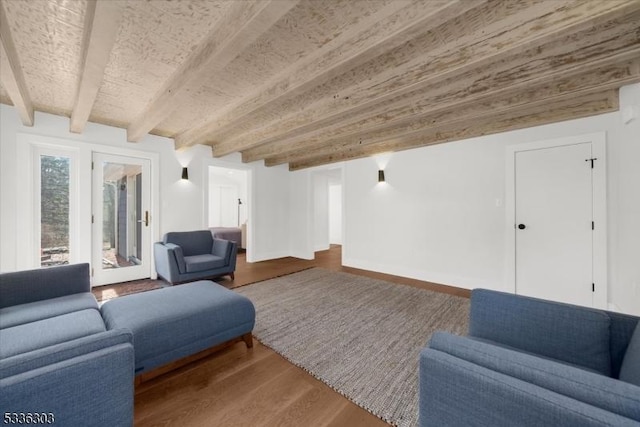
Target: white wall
x=301, y=214
x=46, y=125
x=440, y=216
x=435, y=219
x=320, y=211
x=335, y=214
x=270, y=212
x=181, y=203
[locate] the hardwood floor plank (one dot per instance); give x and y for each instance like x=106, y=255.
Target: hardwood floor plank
x=264, y=400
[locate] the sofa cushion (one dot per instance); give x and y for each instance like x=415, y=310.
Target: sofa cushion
x=25, y=313
x=630, y=369
x=592, y=388
x=577, y=335
x=174, y=322
x=197, y=263
x=23, y=287
x=43, y=333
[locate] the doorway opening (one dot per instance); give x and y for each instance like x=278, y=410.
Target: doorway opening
x=327, y=208
x=228, y=204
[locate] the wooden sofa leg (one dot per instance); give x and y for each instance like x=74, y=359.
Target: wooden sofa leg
x=233, y=276
x=248, y=340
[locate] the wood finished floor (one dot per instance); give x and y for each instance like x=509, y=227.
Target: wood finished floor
x=257, y=387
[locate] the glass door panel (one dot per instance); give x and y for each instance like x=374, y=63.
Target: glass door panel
x=121, y=219
x=55, y=210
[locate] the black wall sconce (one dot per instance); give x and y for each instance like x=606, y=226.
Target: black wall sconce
x=381, y=176
x=185, y=173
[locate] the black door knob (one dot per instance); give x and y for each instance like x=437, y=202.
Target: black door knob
x=522, y=226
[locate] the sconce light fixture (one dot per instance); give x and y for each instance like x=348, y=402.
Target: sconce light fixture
x=185, y=173
x=381, y=176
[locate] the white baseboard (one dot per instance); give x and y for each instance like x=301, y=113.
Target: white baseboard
x=427, y=276
x=270, y=255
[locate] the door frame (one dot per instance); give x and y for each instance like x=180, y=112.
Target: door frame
x=100, y=275
x=26, y=144
x=599, y=177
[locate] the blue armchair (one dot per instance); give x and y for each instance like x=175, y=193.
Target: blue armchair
x=530, y=362
x=194, y=255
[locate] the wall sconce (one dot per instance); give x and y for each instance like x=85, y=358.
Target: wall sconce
x=185, y=173
x=381, y=176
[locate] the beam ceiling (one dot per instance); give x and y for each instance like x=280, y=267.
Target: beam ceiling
x=309, y=82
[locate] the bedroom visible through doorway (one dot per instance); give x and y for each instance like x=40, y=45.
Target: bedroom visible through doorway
x=228, y=205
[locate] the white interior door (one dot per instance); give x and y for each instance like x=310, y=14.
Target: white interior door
x=554, y=214
x=121, y=219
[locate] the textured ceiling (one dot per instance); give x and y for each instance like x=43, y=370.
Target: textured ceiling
x=315, y=82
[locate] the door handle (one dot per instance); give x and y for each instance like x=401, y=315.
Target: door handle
x=522, y=226
x=146, y=219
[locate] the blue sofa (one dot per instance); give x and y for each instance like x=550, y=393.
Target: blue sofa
x=193, y=255
x=57, y=358
x=530, y=362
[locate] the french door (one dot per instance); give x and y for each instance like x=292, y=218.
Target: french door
x=121, y=221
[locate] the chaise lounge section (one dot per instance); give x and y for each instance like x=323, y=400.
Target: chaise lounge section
x=172, y=323
x=62, y=355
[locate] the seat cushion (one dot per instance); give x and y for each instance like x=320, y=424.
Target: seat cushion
x=54, y=330
x=25, y=313
x=175, y=322
x=630, y=369
x=197, y=263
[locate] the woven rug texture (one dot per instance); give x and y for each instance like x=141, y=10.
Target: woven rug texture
x=360, y=336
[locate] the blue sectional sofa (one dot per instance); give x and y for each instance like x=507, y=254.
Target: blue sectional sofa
x=530, y=362
x=186, y=256
x=57, y=358
x=64, y=360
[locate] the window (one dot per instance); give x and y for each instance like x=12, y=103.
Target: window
x=54, y=210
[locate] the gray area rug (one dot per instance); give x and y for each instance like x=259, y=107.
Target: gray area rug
x=360, y=336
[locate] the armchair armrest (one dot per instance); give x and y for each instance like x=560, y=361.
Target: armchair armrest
x=455, y=392
x=65, y=379
x=166, y=262
x=576, y=335
x=179, y=256
x=221, y=248
x=227, y=250
x=21, y=287
x=592, y=388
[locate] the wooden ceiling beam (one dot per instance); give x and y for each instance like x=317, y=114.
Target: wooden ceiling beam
x=496, y=121
x=101, y=24
x=532, y=99
x=372, y=36
x=244, y=24
x=421, y=74
x=11, y=76
x=605, y=73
